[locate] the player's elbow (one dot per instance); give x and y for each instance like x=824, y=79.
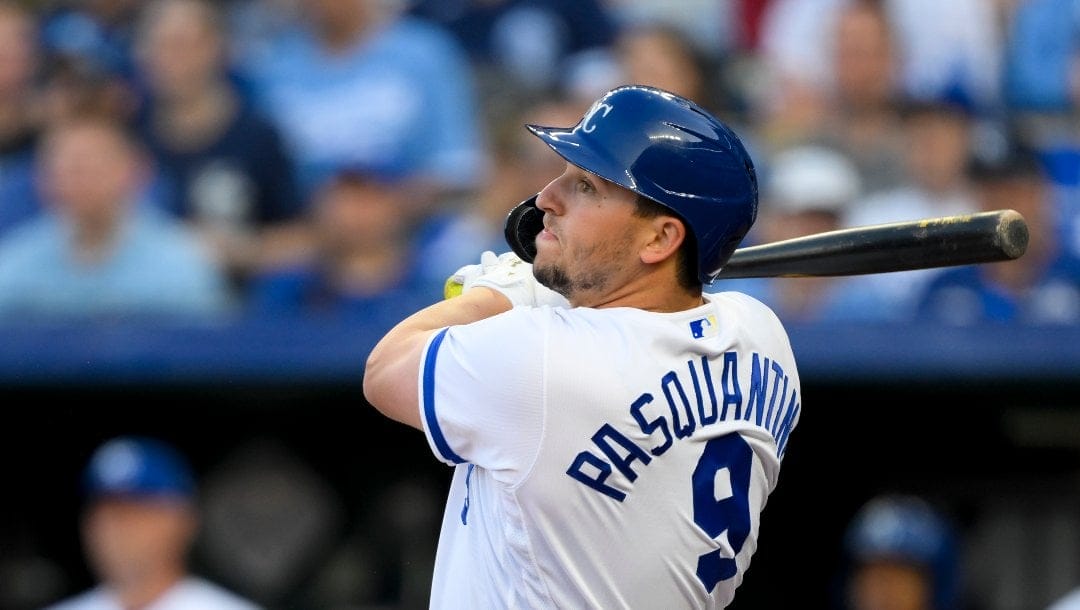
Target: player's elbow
x=390, y=386
x=374, y=386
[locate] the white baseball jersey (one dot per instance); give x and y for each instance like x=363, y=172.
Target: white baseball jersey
x=188, y=594
x=606, y=458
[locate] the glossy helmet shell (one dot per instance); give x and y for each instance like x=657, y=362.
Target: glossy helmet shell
x=670, y=150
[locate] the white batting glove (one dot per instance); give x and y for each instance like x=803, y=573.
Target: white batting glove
x=464, y=278
x=508, y=275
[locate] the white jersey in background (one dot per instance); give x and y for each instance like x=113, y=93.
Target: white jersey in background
x=570, y=428
x=191, y=593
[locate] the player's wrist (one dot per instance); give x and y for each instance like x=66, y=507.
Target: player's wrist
x=495, y=298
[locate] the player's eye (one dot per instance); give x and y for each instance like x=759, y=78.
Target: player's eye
x=585, y=186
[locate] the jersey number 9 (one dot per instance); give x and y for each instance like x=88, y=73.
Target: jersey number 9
x=721, y=503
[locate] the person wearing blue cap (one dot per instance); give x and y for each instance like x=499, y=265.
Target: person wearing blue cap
x=901, y=554
x=138, y=524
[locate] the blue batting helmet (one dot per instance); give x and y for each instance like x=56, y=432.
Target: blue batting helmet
x=670, y=150
x=906, y=529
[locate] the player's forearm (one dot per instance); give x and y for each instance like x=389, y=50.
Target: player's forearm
x=390, y=374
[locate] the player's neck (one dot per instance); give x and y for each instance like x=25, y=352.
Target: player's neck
x=679, y=301
x=646, y=293
x=148, y=589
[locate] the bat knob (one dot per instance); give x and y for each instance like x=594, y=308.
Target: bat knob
x=523, y=224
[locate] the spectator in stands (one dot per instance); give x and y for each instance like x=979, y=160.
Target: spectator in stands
x=900, y=553
x=793, y=67
x=715, y=28
x=661, y=55
x=939, y=142
x=536, y=46
x=359, y=83
x=1041, y=52
x=855, y=107
x=138, y=525
x=20, y=62
x=1041, y=91
x=863, y=117
x=935, y=50
x=949, y=50
x=938, y=145
x=221, y=165
x=90, y=42
x=101, y=251
x=254, y=25
x=807, y=189
x=72, y=86
x=794, y=57
x=1040, y=287
x=362, y=258
x=94, y=31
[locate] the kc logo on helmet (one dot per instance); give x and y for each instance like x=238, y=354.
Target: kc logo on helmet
x=587, y=124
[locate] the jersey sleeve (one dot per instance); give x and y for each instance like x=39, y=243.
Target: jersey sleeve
x=481, y=390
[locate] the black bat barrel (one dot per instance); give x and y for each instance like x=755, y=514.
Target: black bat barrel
x=945, y=241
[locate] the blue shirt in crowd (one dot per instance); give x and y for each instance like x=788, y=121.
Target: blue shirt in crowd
x=155, y=269
x=401, y=99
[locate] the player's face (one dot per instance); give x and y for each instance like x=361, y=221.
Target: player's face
x=128, y=541
x=587, y=248
x=885, y=585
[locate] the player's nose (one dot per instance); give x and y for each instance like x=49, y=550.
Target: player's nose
x=548, y=199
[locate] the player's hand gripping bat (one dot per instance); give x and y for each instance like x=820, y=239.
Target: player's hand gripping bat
x=944, y=241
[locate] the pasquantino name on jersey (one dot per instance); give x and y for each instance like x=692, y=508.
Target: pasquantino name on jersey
x=692, y=400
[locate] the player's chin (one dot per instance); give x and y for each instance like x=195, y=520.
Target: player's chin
x=548, y=276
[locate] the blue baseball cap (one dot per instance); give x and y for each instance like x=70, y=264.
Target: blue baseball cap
x=138, y=467
x=907, y=529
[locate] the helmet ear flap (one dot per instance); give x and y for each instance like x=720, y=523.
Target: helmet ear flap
x=523, y=224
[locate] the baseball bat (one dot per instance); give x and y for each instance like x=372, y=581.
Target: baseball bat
x=944, y=241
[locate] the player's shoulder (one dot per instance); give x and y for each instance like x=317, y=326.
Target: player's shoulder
x=545, y=325
x=549, y=319
x=740, y=302
x=528, y=328
x=755, y=320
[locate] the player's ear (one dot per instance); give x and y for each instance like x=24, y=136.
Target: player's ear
x=666, y=235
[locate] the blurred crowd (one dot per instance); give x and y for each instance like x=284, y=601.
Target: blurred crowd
x=220, y=158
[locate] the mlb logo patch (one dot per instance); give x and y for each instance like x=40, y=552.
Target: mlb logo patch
x=703, y=328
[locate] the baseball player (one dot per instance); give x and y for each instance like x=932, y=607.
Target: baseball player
x=138, y=526
x=900, y=552
x=615, y=430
